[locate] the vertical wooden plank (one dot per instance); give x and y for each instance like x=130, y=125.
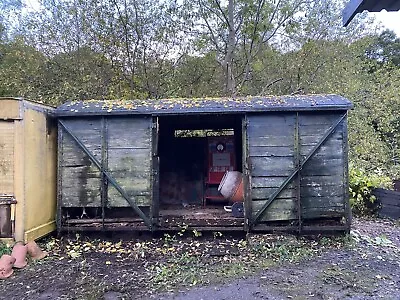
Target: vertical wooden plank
x=297, y=158
x=130, y=160
x=155, y=182
x=246, y=175
x=19, y=186
x=60, y=147
x=346, y=199
x=104, y=164
x=7, y=157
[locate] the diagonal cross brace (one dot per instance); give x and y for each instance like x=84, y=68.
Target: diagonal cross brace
x=294, y=173
x=110, y=178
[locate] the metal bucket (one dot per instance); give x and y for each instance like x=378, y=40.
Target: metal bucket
x=5, y=216
x=5, y=220
x=231, y=186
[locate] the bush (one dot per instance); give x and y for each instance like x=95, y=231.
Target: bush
x=361, y=185
x=4, y=249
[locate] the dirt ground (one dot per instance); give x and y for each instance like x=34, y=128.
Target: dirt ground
x=363, y=265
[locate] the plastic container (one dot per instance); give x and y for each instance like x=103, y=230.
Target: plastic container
x=231, y=186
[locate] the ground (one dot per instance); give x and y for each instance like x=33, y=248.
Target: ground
x=362, y=265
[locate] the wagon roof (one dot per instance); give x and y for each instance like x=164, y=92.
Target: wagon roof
x=204, y=105
x=354, y=7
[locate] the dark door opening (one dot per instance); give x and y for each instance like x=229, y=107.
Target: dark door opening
x=184, y=169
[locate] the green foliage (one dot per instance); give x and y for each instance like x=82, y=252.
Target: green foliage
x=4, y=249
x=361, y=186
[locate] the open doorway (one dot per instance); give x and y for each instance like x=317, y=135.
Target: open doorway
x=184, y=152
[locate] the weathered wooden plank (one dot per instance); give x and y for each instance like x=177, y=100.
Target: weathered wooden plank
x=10, y=109
x=322, y=201
x=131, y=160
x=271, y=141
x=6, y=157
x=83, y=125
x=271, y=166
x=77, y=193
x=141, y=198
x=326, y=212
x=322, y=191
x=74, y=156
x=266, y=151
x=321, y=181
x=272, y=119
x=129, y=133
x=91, y=140
x=322, y=167
x=280, y=209
x=318, y=119
x=312, y=140
x=329, y=150
x=265, y=193
x=269, y=182
x=81, y=172
x=317, y=130
x=280, y=130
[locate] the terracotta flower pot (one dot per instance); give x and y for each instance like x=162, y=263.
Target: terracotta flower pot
x=6, y=264
x=34, y=251
x=19, y=253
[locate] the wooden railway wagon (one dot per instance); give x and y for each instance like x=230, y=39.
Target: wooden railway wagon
x=139, y=165
x=28, y=168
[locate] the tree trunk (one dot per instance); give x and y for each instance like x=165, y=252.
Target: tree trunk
x=228, y=63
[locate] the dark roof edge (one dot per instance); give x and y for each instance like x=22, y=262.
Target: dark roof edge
x=350, y=11
x=216, y=111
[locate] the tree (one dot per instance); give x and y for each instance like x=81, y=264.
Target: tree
x=237, y=31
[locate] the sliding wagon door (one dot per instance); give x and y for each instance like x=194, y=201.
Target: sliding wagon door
x=298, y=167
x=105, y=162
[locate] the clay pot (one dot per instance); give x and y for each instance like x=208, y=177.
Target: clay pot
x=34, y=251
x=6, y=264
x=19, y=253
